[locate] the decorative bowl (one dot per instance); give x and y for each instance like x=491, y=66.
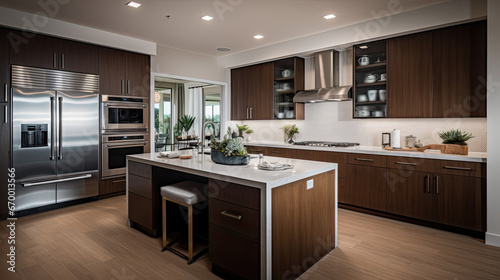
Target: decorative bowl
x=219, y=157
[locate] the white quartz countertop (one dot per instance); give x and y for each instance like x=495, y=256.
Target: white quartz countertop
x=248, y=175
x=375, y=150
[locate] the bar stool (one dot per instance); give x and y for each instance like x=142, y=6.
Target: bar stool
x=187, y=194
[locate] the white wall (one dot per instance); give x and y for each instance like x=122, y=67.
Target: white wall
x=58, y=28
x=493, y=184
x=333, y=122
x=177, y=62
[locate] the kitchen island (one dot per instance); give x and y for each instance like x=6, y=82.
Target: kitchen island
x=291, y=214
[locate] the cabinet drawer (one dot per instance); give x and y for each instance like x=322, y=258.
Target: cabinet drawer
x=257, y=150
x=235, y=253
x=112, y=185
x=234, y=193
x=140, y=210
x=366, y=159
x=239, y=219
x=140, y=186
x=139, y=169
x=408, y=163
x=464, y=168
x=279, y=152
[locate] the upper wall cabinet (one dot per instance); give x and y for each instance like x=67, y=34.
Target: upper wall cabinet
x=410, y=76
x=438, y=74
x=123, y=73
x=252, y=92
x=38, y=50
x=459, y=88
x=265, y=91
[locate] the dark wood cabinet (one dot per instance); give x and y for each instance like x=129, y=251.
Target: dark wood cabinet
x=252, y=92
x=279, y=152
x=256, y=150
x=43, y=51
x=123, y=73
x=111, y=71
x=366, y=187
x=143, y=206
x=261, y=92
x=31, y=49
x=78, y=57
x=111, y=186
x=448, y=199
x=460, y=201
x=409, y=72
x=409, y=194
x=234, y=229
x=459, y=59
x=5, y=120
x=138, y=74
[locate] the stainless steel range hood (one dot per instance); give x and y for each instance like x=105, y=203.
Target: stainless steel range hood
x=326, y=65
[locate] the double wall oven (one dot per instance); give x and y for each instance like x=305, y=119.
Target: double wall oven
x=124, y=132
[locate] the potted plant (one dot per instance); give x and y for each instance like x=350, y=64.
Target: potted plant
x=455, y=141
x=230, y=150
x=289, y=132
x=249, y=132
x=241, y=129
x=184, y=125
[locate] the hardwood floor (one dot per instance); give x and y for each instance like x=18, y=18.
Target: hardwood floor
x=92, y=241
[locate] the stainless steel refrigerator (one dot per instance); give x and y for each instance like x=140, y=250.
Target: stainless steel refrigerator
x=55, y=136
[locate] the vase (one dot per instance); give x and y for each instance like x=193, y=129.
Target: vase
x=184, y=135
x=219, y=157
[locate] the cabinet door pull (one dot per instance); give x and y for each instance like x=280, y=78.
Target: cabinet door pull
x=128, y=86
x=406, y=163
x=251, y=109
x=364, y=159
x=6, y=92
x=118, y=181
x=122, y=86
x=231, y=215
x=437, y=184
x=457, y=168
x=247, y=113
x=428, y=184
x=6, y=115
x=62, y=61
x=55, y=60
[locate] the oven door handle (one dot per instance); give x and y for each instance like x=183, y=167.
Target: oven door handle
x=125, y=145
x=127, y=106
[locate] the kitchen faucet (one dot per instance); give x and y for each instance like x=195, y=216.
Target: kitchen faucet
x=203, y=135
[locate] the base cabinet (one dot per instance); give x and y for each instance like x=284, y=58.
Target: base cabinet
x=366, y=187
x=111, y=186
x=441, y=198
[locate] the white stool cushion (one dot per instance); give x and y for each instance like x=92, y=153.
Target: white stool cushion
x=187, y=192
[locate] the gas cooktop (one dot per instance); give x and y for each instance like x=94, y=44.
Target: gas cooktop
x=326, y=144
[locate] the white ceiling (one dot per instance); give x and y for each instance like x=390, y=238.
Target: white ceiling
x=234, y=25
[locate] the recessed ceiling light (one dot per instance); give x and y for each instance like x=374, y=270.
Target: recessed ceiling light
x=258, y=37
x=364, y=47
x=223, y=49
x=330, y=16
x=207, y=18
x=133, y=4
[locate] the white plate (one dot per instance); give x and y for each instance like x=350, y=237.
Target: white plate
x=275, y=168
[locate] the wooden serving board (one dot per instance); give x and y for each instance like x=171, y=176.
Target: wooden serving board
x=403, y=149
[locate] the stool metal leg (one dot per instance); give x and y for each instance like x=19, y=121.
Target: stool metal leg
x=164, y=220
x=190, y=233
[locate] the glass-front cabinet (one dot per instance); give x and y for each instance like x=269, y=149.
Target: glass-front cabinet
x=370, y=80
x=288, y=80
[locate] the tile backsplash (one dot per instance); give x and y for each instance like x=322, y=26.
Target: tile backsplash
x=333, y=122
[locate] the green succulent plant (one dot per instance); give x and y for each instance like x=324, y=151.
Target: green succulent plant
x=455, y=136
x=231, y=145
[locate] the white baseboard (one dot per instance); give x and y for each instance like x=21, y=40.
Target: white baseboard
x=492, y=239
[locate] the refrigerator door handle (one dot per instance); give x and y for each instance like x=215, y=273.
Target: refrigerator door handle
x=59, y=131
x=25, y=185
x=53, y=127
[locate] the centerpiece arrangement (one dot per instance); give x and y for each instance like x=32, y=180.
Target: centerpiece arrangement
x=184, y=124
x=289, y=132
x=230, y=150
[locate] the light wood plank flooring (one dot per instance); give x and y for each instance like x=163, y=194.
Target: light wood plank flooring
x=92, y=241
